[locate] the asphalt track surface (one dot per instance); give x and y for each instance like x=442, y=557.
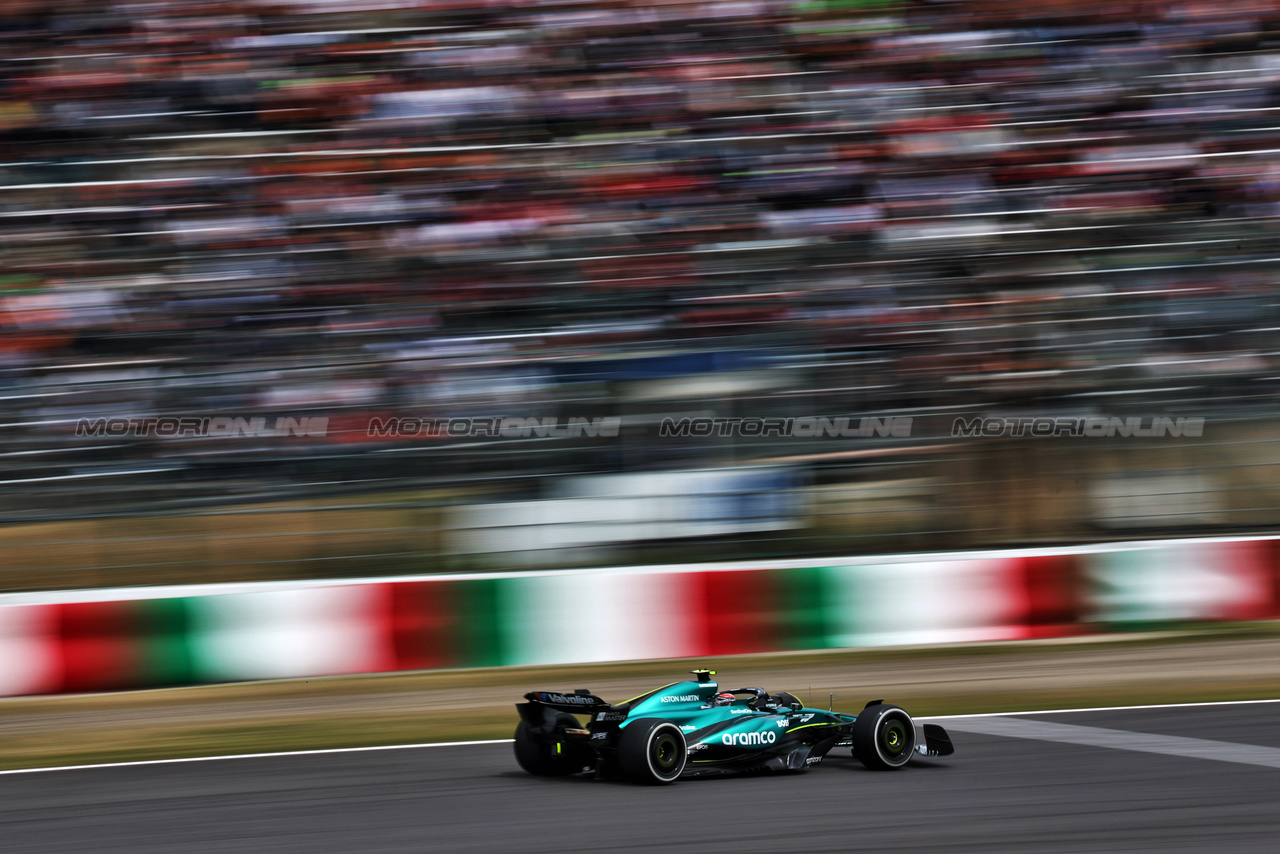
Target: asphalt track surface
x=1172, y=779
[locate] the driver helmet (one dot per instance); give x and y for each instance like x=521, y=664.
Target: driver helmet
x=725, y=699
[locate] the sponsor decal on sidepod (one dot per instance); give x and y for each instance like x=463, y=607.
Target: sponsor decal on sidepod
x=748, y=739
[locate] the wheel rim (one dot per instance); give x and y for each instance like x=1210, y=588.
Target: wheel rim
x=893, y=739
x=666, y=753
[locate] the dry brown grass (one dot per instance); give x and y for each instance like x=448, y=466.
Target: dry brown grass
x=278, y=541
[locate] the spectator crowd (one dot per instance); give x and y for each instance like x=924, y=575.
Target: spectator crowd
x=427, y=206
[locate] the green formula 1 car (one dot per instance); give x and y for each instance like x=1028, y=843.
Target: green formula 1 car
x=696, y=728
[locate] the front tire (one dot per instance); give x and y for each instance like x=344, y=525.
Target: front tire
x=653, y=751
x=547, y=756
x=884, y=737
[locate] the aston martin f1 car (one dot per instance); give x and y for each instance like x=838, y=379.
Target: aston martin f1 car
x=696, y=728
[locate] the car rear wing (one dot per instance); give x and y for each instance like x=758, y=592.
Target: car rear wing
x=579, y=702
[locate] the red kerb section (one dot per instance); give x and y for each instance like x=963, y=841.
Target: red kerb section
x=98, y=645
x=1053, y=589
x=739, y=612
x=420, y=625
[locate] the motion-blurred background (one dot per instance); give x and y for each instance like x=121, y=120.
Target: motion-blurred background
x=347, y=213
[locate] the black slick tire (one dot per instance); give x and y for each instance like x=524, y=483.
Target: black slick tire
x=545, y=755
x=652, y=750
x=884, y=737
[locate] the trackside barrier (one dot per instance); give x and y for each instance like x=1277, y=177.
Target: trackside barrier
x=125, y=638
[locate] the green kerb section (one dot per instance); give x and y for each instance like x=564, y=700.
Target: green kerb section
x=532, y=626
x=164, y=650
x=1126, y=588
x=844, y=605
x=481, y=621
x=804, y=600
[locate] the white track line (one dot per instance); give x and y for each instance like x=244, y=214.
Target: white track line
x=254, y=756
x=508, y=741
x=1100, y=709
x=1114, y=739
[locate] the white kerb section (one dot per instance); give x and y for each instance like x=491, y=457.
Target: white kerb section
x=1168, y=582
x=619, y=617
x=285, y=633
x=29, y=652
x=928, y=602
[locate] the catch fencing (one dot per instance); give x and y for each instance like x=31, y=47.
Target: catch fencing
x=439, y=509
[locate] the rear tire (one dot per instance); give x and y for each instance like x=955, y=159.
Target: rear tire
x=547, y=756
x=652, y=750
x=884, y=737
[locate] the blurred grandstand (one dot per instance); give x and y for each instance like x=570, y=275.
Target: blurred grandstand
x=641, y=210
